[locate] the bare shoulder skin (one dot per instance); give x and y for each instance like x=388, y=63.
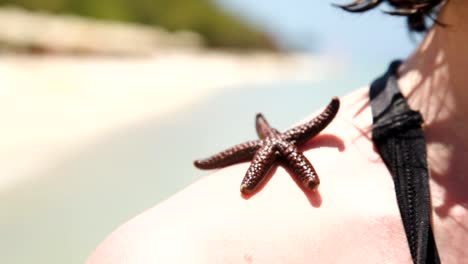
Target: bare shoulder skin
x=352, y=218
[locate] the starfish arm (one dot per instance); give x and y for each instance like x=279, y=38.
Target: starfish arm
x=262, y=126
x=304, y=132
x=300, y=166
x=238, y=153
x=262, y=163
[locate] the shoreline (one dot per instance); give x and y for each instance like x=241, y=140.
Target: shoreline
x=52, y=104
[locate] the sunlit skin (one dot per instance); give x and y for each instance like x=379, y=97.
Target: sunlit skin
x=353, y=217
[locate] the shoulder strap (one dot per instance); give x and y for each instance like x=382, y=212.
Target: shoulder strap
x=399, y=139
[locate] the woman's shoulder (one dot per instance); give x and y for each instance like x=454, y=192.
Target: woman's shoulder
x=353, y=217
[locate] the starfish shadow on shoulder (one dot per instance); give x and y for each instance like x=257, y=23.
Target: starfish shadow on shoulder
x=324, y=140
x=313, y=195
x=273, y=148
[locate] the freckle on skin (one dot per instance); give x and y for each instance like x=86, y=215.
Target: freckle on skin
x=248, y=258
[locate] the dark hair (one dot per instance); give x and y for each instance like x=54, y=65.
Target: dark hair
x=416, y=11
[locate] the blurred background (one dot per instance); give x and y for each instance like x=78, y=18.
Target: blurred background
x=105, y=103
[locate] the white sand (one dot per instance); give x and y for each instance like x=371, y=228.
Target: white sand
x=51, y=104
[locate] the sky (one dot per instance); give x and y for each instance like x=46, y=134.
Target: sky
x=317, y=26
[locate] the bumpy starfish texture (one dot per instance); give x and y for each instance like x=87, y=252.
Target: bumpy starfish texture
x=273, y=147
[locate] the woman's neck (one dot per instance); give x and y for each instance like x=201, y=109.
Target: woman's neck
x=437, y=70
x=435, y=81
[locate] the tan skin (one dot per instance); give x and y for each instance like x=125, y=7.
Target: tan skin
x=353, y=217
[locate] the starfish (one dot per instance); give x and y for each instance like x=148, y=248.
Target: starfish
x=273, y=147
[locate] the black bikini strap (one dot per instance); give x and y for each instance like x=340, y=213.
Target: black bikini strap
x=399, y=138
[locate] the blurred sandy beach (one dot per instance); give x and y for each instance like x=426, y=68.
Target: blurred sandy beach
x=49, y=104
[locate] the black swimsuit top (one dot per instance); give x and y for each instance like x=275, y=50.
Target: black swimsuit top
x=399, y=138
